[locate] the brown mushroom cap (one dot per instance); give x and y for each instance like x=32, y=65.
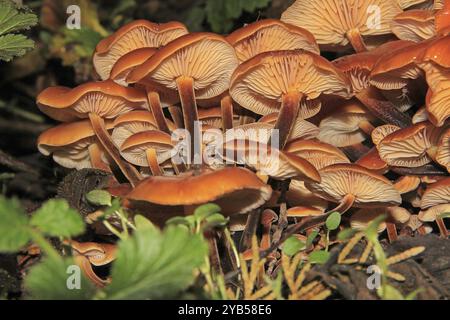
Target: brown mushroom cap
x=270, y=35
x=363, y=217
x=443, y=152
x=134, y=122
x=436, y=193
x=330, y=21
x=414, y=25
x=259, y=83
x=106, y=98
x=135, y=35
x=431, y=214
x=436, y=63
x=129, y=62
x=404, y=4
x=381, y=132
x=408, y=147
x=69, y=143
x=368, y=188
x=235, y=190
x=301, y=212
x=134, y=148
x=372, y=161
x=299, y=195
x=208, y=58
x=406, y=184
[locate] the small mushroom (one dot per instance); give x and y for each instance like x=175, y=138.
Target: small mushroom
x=433, y=215
x=372, y=161
x=443, y=152
x=436, y=194
x=352, y=185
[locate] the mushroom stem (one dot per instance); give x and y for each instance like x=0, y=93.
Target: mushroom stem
x=250, y=229
x=391, y=231
x=226, y=105
x=344, y=205
x=356, y=40
x=383, y=109
x=155, y=106
x=442, y=228
x=95, y=155
x=152, y=161
x=190, y=115
x=286, y=118
x=98, y=125
x=177, y=117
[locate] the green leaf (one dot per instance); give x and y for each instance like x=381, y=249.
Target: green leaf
x=333, y=221
x=215, y=220
x=413, y=295
x=372, y=229
x=55, y=218
x=346, y=234
x=13, y=226
x=143, y=223
x=52, y=278
x=252, y=5
x=194, y=19
x=156, y=265
x=388, y=292
x=319, y=257
x=85, y=40
x=99, y=198
x=206, y=210
x=14, y=45
x=178, y=221
x=12, y=20
x=292, y=246
x=311, y=237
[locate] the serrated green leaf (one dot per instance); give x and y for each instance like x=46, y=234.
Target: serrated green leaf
x=14, y=45
x=333, y=221
x=55, y=218
x=49, y=281
x=156, y=265
x=319, y=257
x=13, y=226
x=206, y=210
x=12, y=20
x=292, y=246
x=99, y=198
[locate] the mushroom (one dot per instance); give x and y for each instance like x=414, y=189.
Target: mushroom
x=235, y=190
x=97, y=101
x=372, y=161
x=352, y=185
x=270, y=35
x=88, y=254
x=443, y=152
x=319, y=154
x=381, y=132
x=336, y=23
x=289, y=81
x=73, y=145
x=215, y=118
x=134, y=122
x=304, y=212
x=134, y=35
x=148, y=149
x=407, y=184
x=436, y=65
x=414, y=25
x=421, y=115
x=410, y=147
x=299, y=196
x=407, y=4
x=433, y=214
x=198, y=65
x=436, y=194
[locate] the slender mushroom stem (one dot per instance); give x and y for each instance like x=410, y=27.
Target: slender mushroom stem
x=177, y=116
x=190, y=115
x=155, y=106
x=345, y=205
x=250, y=229
x=356, y=40
x=391, y=232
x=383, y=109
x=442, y=228
x=286, y=118
x=422, y=231
x=98, y=125
x=226, y=105
x=152, y=161
x=95, y=154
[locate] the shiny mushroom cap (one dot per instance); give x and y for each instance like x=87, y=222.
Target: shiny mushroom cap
x=107, y=99
x=260, y=83
x=270, y=35
x=368, y=188
x=205, y=57
x=331, y=20
x=72, y=144
x=129, y=62
x=235, y=190
x=134, y=35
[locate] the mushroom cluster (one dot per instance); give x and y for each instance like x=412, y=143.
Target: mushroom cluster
x=259, y=120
